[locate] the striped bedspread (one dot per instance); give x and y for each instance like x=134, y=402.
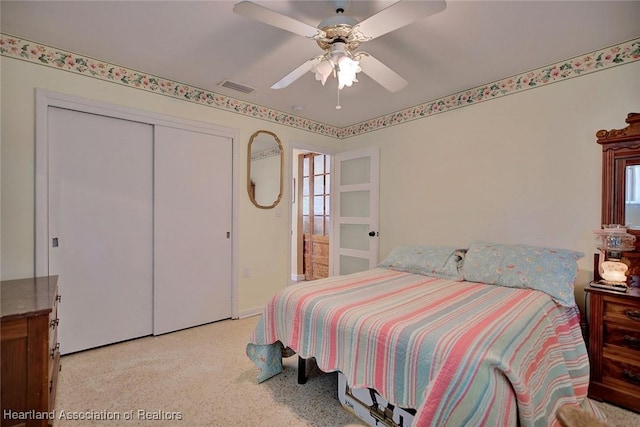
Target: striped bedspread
x=461, y=353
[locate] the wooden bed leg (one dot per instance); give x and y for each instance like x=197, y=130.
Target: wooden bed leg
x=302, y=370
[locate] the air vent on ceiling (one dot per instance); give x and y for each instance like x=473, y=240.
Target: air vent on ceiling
x=237, y=86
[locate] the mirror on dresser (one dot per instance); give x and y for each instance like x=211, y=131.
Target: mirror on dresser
x=621, y=184
x=264, y=169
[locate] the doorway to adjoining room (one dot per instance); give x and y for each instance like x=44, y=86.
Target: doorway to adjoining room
x=311, y=219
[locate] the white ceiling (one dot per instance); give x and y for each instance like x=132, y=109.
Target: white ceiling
x=201, y=43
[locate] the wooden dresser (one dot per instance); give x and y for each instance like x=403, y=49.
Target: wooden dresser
x=29, y=349
x=614, y=346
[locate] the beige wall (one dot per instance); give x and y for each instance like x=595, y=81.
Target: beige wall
x=524, y=168
x=264, y=237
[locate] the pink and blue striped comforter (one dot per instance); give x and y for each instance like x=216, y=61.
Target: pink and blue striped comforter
x=461, y=353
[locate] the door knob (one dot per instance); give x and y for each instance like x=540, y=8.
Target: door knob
x=373, y=233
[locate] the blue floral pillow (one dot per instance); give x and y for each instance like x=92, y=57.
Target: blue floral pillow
x=268, y=358
x=435, y=261
x=549, y=270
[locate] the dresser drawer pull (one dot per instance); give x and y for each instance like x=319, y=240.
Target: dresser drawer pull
x=631, y=341
x=52, y=353
x=631, y=377
x=632, y=314
x=54, y=323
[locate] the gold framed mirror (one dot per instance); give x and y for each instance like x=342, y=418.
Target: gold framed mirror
x=264, y=169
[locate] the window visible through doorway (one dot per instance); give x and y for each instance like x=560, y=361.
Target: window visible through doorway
x=316, y=214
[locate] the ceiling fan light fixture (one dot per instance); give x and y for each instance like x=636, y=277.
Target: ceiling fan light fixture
x=347, y=70
x=339, y=62
x=323, y=70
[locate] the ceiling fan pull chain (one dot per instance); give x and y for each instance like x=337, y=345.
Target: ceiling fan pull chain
x=338, y=107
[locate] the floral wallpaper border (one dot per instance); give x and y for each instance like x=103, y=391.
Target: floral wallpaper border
x=272, y=152
x=623, y=53
x=15, y=47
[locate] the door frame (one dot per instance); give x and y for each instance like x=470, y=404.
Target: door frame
x=294, y=158
x=47, y=98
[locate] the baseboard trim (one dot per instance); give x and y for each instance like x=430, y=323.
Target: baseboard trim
x=250, y=312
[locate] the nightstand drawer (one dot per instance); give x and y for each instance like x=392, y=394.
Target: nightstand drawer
x=616, y=371
x=614, y=346
x=619, y=310
x=623, y=336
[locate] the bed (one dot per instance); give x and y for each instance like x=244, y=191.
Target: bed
x=489, y=335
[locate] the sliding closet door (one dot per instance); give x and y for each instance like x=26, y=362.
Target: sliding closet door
x=100, y=228
x=192, y=223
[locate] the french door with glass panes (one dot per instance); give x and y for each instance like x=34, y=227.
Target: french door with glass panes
x=315, y=174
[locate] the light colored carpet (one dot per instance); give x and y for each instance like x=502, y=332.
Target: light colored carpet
x=201, y=377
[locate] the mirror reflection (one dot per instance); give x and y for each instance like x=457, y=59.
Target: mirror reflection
x=264, y=169
x=632, y=197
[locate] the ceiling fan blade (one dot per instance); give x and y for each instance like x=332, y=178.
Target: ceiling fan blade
x=268, y=16
x=297, y=73
x=399, y=15
x=382, y=74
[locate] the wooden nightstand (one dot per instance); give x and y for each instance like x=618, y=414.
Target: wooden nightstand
x=614, y=346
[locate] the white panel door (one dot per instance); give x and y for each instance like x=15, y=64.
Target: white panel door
x=355, y=201
x=192, y=223
x=100, y=227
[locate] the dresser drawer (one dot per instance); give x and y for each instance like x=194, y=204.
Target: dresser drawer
x=622, y=335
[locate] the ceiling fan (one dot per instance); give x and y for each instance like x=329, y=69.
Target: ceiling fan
x=339, y=36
